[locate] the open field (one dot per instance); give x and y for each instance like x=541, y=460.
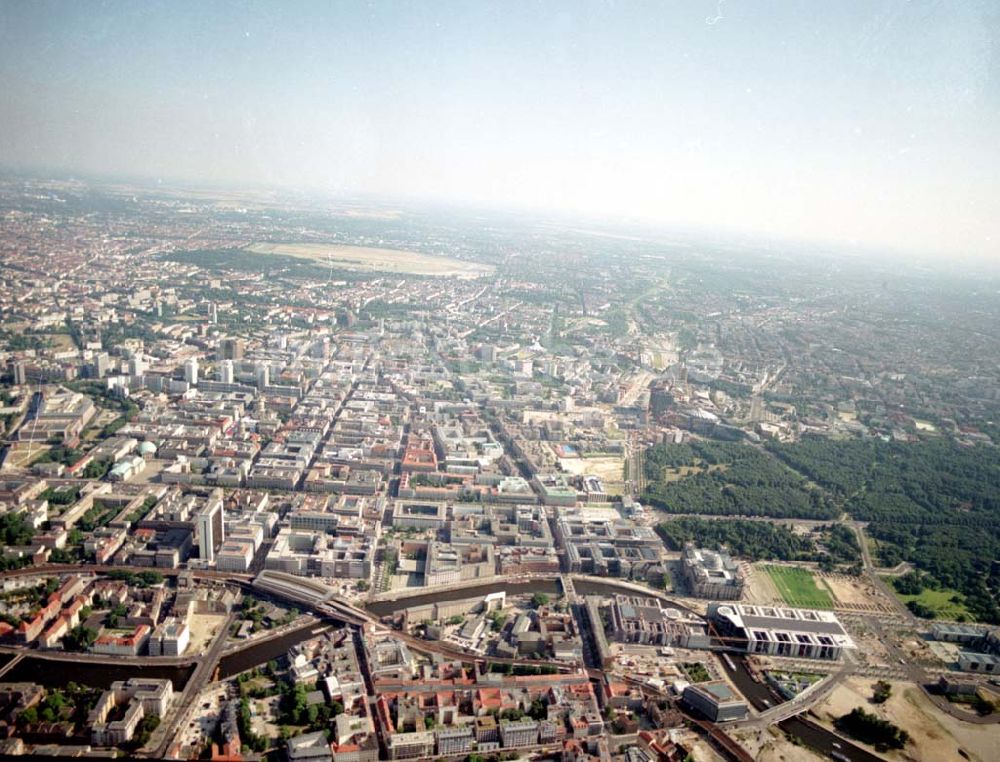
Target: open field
x=940, y=602
x=934, y=735
x=854, y=591
x=760, y=587
x=608, y=469
x=61, y=342
x=203, y=629
x=23, y=454
x=201, y=721
x=103, y=418
x=682, y=472
x=371, y=259
x=798, y=587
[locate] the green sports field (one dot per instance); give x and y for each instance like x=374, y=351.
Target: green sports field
x=798, y=587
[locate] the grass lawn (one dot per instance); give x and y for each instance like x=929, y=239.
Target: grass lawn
x=799, y=588
x=682, y=472
x=939, y=601
x=61, y=342
x=255, y=684
x=696, y=672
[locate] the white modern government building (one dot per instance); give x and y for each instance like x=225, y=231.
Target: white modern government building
x=780, y=631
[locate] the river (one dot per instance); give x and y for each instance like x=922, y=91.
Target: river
x=760, y=695
x=56, y=674
x=548, y=586
x=262, y=653
x=807, y=732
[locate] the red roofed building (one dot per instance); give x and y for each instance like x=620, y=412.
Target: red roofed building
x=488, y=699
x=419, y=456
x=660, y=747
x=576, y=750
x=123, y=645
x=28, y=631
x=72, y=586
x=54, y=635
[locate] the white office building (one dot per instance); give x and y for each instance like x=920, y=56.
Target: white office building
x=781, y=631
x=211, y=527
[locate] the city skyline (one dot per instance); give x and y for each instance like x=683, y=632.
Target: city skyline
x=301, y=461
x=580, y=380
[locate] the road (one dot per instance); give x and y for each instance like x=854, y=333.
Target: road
x=799, y=704
x=773, y=710
x=332, y=607
x=92, y=658
x=12, y=663
x=199, y=574
x=366, y=674
x=822, y=740
x=636, y=473
x=577, y=678
x=207, y=662
x=329, y=431
x=880, y=584
x=636, y=387
x=483, y=323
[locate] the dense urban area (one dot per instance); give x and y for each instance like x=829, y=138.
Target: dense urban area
x=306, y=480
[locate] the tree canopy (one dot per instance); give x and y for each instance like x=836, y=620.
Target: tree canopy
x=935, y=504
x=729, y=479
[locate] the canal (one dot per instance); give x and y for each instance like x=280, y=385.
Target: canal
x=548, y=586
x=52, y=673
x=760, y=695
x=262, y=653
x=757, y=694
x=804, y=730
x=56, y=674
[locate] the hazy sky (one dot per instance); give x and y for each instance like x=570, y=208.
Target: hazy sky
x=875, y=121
